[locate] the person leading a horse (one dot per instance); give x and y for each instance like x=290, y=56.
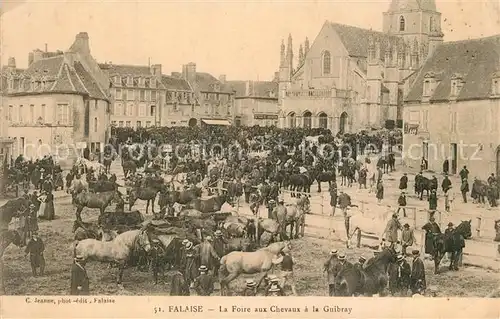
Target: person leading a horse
x=431, y=229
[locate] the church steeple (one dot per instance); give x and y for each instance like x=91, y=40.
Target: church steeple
x=306, y=46
x=289, y=52
x=282, y=53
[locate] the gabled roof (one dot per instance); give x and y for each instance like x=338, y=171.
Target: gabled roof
x=475, y=60
x=256, y=88
x=206, y=81
x=175, y=83
x=357, y=40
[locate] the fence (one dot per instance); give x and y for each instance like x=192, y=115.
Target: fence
x=321, y=197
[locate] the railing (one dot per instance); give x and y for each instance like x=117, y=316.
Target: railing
x=319, y=93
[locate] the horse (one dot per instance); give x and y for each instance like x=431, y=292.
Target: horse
x=236, y=263
x=293, y=216
x=423, y=184
x=300, y=183
x=85, y=230
x=77, y=186
x=325, y=176
x=363, y=223
x=208, y=205
x=95, y=200
x=450, y=243
x=371, y=280
x=120, y=250
x=266, y=225
x=143, y=193
x=239, y=244
x=11, y=209
x=7, y=237
x=129, y=167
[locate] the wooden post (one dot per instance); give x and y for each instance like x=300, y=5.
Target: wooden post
x=414, y=209
x=322, y=203
x=422, y=244
x=478, y=229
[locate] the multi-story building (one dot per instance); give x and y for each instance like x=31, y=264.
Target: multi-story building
x=5, y=140
x=453, y=108
x=352, y=78
x=256, y=102
x=214, y=103
x=59, y=104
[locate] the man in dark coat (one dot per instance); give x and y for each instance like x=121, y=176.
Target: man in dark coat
x=35, y=249
x=360, y=263
x=403, y=278
x=79, y=278
x=402, y=203
x=331, y=267
x=274, y=191
x=178, y=286
x=464, y=189
x=333, y=197
x=446, y=184
x=204, y=283
x=219, y=245
x=464, y=173
x=403, y=182
x=431, y=228
x=417, y=181
x=446, y=166
x=417, y=278
x=433, y=200
x=344, y=201
x=270, y=208
x=206, y=252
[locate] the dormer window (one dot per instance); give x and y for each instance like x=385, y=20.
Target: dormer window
x=401, y=23
x=429, y=84
x=456, y=84
x=495, y=84
x=216, y=87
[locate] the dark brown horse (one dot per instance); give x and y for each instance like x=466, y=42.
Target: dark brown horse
x=452, y=243
x=208, y=205
x=371, y=280
x=11, y=209
x=129, y=167
x=95, y=200
x=143, y=193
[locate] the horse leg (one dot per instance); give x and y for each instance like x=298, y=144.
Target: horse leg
x=78, y=213
x=358, y=243
x=119, y=277
x=319, y=186
x=131, y=202
x=226, y=280
x=147, y=206
x=153, y=204
x=437, y=260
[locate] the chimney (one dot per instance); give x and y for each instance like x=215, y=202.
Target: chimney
x=156, y=70
x=11, y=63
x=81, y=44
x=222, y=78
x=46, y=47
x=248, y=90
x=189, y=72
x=31, y=58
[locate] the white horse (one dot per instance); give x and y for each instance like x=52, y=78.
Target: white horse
x=116, y=251
x=372, y=224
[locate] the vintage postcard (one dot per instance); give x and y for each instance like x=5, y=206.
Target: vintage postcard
x=235, y=159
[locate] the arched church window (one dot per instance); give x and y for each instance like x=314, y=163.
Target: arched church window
x=431, y=24
x=327, y=61
x=401, y=23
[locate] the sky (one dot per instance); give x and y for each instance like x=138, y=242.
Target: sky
x=240, y=39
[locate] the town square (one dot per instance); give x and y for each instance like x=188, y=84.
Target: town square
x=365, y=163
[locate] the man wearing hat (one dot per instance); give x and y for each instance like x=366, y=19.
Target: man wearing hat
x=400, y=273
x=250, y=289
x=274, y=291
x=207, y=254
x=79, y=278
x=280, y=209
x=407, y=238
x=403, y=182
x=331, y=266
x=156, y=255
x=274, y=191
x=431, y=229
x=219, y=245
x=344, y=201
x=446, y=184
x=464, y=189
x=270, y=208
x=286, y=276
x=360, y=263
x=417, y=278
x=343, y=263
x=273, y=287
x=433, y=200
x=189, y=264
x=35, y=249
x=391, y=230
x=449, y=230
x=204, y=283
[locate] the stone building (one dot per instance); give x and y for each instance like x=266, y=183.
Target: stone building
x=59, y=104
x=453, y=109
x=256, y=102
x=351, y=78
x=5, y=140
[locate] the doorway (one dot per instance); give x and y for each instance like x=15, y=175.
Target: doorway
x=343, y=123
x=498, y=161
x=454, y=158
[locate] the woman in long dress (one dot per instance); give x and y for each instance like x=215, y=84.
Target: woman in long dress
x=49, y=212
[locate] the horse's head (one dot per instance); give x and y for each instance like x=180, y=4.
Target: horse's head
x=497, y=225
x=143, y=240
x=465, y=229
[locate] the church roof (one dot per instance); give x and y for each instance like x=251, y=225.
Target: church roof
x=401, y=5
x=475, y=60
x=357, y=40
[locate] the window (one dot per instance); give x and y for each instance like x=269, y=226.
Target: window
x=63, y=117
x=130, y=81
x=148, y=95
x=327, y=62
x=118, y=95
x=206, y=108
x=128, y=124
x=139, y=124
x=120, y=124
x=425, y=120
x=153, y=83
x=95, y=104
x=291, y=120
x=142, y=95
x=142, y=110
x=146, y=82
x=152, y=110
x=427, y=88
x=153, y=96
x=117, y=79
x=10, y=114
x=95, y=124
x=118, y=109
x=130, y=95
x=130, y=110
x=323, y=120
x=148, y=123
x=307, y=120
x=20, y=116
x=401, y=23
x=113, y=123
x=32, y=114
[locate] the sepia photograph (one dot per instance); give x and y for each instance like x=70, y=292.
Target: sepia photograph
x=246, y=148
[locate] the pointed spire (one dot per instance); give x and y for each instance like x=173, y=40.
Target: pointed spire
x=289, y=52
x=306, y=47
x=282, y=53
x=377, y=50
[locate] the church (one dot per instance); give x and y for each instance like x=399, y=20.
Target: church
x=350, y=78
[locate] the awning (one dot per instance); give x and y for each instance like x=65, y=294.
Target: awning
x=216, y=122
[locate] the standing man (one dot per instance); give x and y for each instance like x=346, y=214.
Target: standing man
x=433, y=200
x=204, y=283
x=360, y=263
x=404, y=274
x=403, y=182
x=446, y=166
x=35, y=249
x=464, y=189
x=287, y=276
x=344, y=201
x=407, y=238
x=446, y=184
x=270, y=208
x=464, y=173
x=417, y=278
x=380, y=191
x=79, y=278
x=391, y=230
x=431, y=229
x=402, y=203
x=333, y=197
x=219, y=247
x=207, y=254
x=330, y=267
x=178, y=286
x=343, y=263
